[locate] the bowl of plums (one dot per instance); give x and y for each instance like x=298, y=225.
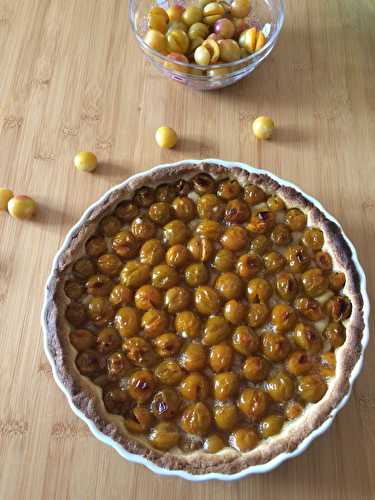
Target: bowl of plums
x=203, y=43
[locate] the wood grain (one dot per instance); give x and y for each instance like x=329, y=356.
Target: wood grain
x=72, y=78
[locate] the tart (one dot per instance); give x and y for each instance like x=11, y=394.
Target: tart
x=206, y=318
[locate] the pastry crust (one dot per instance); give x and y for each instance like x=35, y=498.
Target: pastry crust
x=85, y=395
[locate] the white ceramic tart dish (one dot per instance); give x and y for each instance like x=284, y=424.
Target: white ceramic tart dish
x=85, y=396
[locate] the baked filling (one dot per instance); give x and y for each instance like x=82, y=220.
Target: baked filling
x=207, y=312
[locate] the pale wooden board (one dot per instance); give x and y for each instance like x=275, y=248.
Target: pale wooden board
x=73, y=78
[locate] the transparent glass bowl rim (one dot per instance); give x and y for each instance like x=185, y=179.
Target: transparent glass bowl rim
x=254, y=56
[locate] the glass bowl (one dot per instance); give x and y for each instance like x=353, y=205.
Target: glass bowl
x=266, y=15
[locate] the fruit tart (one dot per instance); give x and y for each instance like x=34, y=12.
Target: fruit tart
x=208, y=319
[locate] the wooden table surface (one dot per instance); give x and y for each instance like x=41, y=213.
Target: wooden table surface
x=73, y=78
